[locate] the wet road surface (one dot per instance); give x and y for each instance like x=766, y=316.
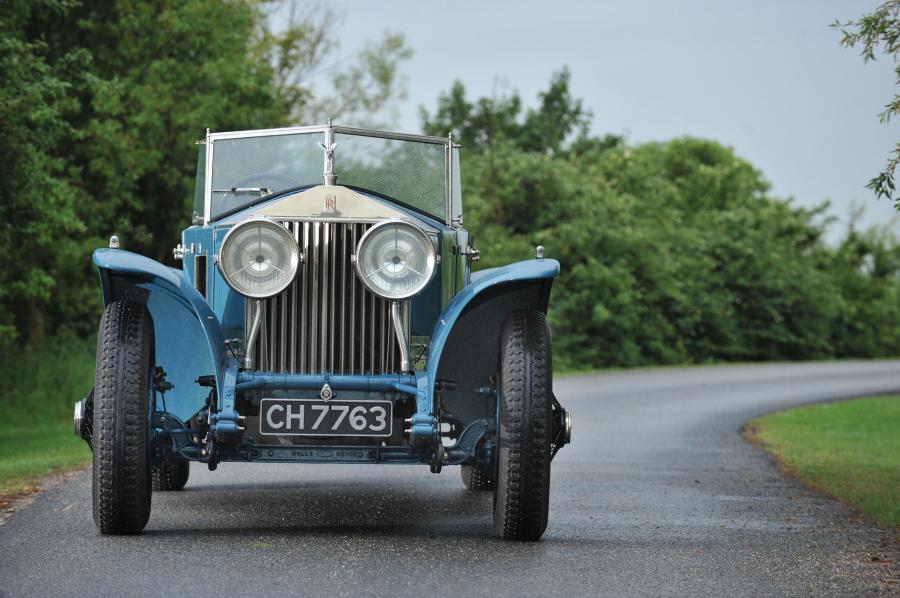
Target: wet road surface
x=657, y=495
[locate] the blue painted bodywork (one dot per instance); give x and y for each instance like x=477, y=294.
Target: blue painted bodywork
x=538, y=270
x=190, y=332
x=189, y=340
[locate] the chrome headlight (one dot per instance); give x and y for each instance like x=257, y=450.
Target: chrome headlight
x=259, y=258
x=395, y=259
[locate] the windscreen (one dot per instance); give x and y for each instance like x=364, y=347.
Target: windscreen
x=248, y=168
x=408, y=171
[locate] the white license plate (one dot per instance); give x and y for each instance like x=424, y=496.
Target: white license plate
x=313, y=417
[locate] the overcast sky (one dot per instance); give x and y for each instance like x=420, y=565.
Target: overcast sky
x=766, y=77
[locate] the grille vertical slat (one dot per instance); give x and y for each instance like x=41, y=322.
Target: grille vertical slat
x=292, y=355
x=282, y=339
x=343, y=323
x=353, y=283
x=373, y=315
x=323, y=287
x=304, y=299
x=382, y=344
x=313, y=337
x=326, y=320
x=332, y=289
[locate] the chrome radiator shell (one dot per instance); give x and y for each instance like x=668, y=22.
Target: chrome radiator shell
x=326, y=321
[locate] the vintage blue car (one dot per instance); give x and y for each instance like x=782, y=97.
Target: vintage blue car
x=326, y=312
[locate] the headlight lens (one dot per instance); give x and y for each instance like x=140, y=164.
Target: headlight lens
x=395, y=260
x=259, y=258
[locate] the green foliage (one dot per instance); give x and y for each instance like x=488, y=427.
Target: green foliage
x=100, y=107
x=37, y=391
x=38, y=211
x=477, y=125
x=367, y=86
x=850, y=450
x=879, y=31
x=671, y=252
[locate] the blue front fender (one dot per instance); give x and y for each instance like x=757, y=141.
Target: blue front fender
x=189, y=339
x=540, y=272
x=527, y=272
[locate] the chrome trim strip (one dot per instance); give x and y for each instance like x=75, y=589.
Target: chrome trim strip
x=390, y=135
x=323, y=129
x=266, y=132
x=207, y=182
x=448, y=187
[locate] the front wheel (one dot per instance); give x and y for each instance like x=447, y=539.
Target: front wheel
x=172, y=474
x=522, y=495
x=478, y=477
x=121, y=441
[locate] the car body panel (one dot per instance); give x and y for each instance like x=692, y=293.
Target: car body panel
x=537, y=270
x=189, y=340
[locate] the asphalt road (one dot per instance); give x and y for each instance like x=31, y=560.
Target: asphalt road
x=658, y=495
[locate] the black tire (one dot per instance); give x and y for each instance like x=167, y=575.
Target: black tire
x=478, y=478
x=522, y=496
x=121, y=472
x=171, y=475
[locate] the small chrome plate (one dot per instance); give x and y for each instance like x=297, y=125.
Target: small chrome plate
x=326, y=393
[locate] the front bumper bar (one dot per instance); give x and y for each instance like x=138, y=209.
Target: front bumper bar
x=249, y=380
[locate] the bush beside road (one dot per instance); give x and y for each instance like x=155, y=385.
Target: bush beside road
x=850, y=450
x=37, y=393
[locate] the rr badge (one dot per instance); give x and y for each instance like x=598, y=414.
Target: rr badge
x=330, y=204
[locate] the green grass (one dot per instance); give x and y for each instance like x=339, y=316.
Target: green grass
x=850, y=450
x=37, y=393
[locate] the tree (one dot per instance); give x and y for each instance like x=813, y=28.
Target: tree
x=102, y=102
x=671, y=252
x=879, y=32
x=546, y=129
x=364, y=89
x=39, y=210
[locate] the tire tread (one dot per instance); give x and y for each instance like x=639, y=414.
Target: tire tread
x=523, y=478
x=121, y=468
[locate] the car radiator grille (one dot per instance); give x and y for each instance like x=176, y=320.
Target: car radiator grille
x=326, y=321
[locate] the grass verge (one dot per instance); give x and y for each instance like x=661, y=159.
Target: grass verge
x=37, y=394
x=850, y=450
